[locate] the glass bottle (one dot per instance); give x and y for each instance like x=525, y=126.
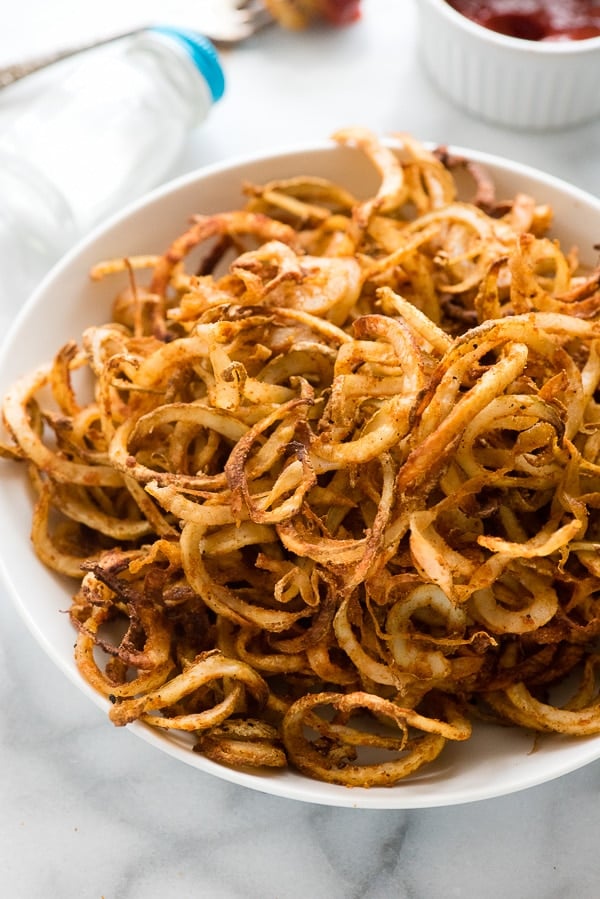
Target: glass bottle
x=107, y=130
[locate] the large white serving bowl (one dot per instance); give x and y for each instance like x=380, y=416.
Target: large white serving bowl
x=496, y=760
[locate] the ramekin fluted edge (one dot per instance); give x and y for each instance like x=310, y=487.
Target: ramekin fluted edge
x=509, y=81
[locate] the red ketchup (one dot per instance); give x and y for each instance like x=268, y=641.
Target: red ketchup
x=341, y=12
x=535, y=20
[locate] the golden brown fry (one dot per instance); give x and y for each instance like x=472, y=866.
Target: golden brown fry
x=334, y=762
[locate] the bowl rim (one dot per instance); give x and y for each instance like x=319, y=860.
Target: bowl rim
x=555, y=49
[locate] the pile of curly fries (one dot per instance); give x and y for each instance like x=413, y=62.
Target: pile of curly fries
x=335, y=495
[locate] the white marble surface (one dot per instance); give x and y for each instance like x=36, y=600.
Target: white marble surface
x=88, y=811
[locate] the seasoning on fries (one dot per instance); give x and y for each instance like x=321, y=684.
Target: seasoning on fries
x=336, y=493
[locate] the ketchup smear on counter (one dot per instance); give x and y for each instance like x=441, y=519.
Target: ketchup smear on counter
x=535, y=20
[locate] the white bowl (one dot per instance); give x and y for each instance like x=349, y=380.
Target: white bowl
x=496, y=760
x=505, y=80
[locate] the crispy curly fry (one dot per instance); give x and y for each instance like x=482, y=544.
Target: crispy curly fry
x=334, y=761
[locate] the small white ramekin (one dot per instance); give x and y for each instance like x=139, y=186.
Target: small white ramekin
x=509, y=81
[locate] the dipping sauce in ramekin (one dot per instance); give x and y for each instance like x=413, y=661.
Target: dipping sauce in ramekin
x=518, y=63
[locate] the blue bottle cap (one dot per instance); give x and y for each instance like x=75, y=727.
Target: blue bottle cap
x=203, y=55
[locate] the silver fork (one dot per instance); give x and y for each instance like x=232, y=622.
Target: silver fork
x=224, y=22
